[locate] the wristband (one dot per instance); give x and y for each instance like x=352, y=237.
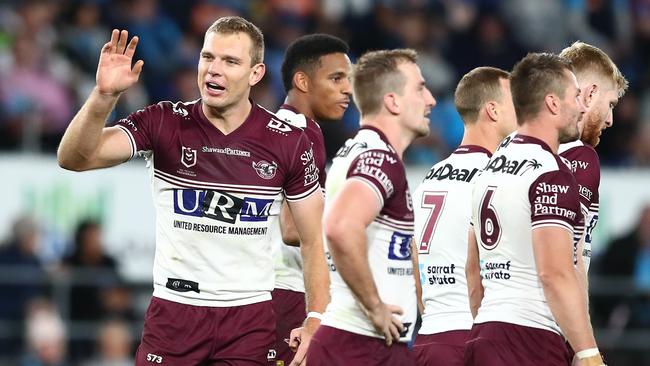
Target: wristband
x=315, y=315
x=589, y=352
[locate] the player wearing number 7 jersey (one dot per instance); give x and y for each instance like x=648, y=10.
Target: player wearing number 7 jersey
x=525, y=209
x=442, y=209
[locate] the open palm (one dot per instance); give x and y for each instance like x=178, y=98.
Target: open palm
x=114, y=72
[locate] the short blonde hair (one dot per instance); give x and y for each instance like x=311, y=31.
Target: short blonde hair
x=232, y=25
x=376, y=74
x=476, y=88
x=586, y=58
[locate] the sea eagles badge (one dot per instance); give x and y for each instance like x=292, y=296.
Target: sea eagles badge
x=265, y=169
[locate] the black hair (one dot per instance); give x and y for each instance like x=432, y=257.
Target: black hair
x=303, y=54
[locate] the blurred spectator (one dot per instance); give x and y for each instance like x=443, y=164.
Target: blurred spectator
x=46, y=336
x=104, y=295
x=22, y=280
x=35, y=103
x=84, y=34
x=114, y=345
x=537, y=24
x=158, y=46
x=451, y=37
x=33, y=82
x=628, y=258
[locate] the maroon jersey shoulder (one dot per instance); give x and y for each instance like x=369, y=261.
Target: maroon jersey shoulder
x=585, y=166
x=384, y=170
x=314, y=133
x=553, y=197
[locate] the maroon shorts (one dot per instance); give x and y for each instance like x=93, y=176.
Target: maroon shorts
x=440, y=349
x=497, y=344
x=179, y=334
x=335, y=347
x=289, y=307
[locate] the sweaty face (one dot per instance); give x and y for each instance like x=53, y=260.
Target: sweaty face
x=417, y=100
x=225, y=72
x=599, y=116
x=572, y=110
x=508, y=121
x=330, y=87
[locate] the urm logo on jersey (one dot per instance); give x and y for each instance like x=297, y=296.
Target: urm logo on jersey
x=399, y=247
x=220, y=206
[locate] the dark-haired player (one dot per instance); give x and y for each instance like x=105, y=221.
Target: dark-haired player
x=316, y=75
x=525, y=210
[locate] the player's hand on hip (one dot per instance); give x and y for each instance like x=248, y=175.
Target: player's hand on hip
x=303, y=336
x=114, y=71
x=384, y=319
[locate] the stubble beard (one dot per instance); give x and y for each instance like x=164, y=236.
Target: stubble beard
x=591, y=129
x=569, y=133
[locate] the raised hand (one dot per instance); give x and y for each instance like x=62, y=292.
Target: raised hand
x=114, y=72
x=385, y=322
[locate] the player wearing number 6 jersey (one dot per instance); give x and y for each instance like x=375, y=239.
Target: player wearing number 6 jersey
x=368, y=220
x=442, y=208
x=525, y=209
x=601, y=85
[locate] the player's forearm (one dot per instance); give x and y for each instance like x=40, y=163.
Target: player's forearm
x=288, y=227
x=564, y=295
x=581, y=270
x=316, y=275
x=349, y=252
x=473, y=274
x=416, y=275
x=82, y=137
x=474, y=289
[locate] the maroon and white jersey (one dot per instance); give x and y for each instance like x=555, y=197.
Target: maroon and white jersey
x=216, y=197
x=369, y=158
x=443, y=211
x=525, y=186
x=585, y=166
x=287, y=259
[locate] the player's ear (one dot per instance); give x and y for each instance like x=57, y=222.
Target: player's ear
x=492, y=110
x=552, y=103
x=257, y=73
x=301, y=81
x=589, y=95
x=392, y=103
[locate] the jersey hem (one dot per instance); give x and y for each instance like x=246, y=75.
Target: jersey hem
x=486, y=319
x=253, y=299
x=352, y=329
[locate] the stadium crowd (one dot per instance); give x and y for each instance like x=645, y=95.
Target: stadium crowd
x=48, y=59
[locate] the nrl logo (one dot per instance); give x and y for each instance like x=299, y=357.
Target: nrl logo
x=188, y=157
x=265, y=169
